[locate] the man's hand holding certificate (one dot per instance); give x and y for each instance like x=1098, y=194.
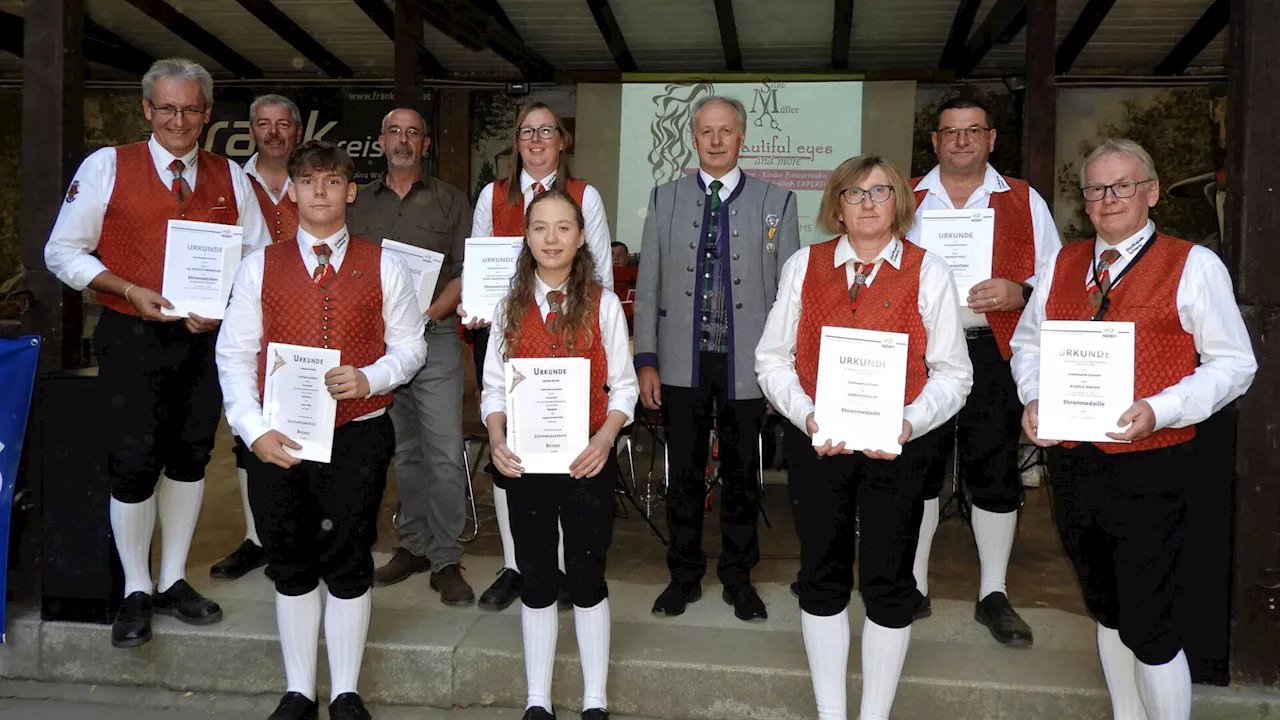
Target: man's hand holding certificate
x=298, y=402
x=487, y=269
x=862, y=378
x=548, y=409
x=1086, y=380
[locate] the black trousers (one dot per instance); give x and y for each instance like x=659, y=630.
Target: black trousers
x=828, y=496
x=163, y=402
x=1121, y=521
x=689, y=412
x=584, y=507
x=318, y=521
x=480, y=347
x=986, y=432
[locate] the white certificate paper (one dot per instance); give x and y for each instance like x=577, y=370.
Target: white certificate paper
x=1086, y=378
x=295, y=400
x=862, y=381
x=548, y=412
x=487, y=269
x=200, y=261
x=424, y=268
x=965, y=239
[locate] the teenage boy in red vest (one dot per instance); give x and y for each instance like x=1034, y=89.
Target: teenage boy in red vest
x=1120, y=507
x=275, y=126
x=158, y=369
x=986, y=429
x=318, y=521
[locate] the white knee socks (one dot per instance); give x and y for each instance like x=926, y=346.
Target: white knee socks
x=500, y=509
x=884, y=650
x=592, y=628
x=928, y=526
x=540, y=628
x=250, y=527
x=346, y=626
x=994, y=534
x=132, y=525
x=298, y=618
x=826, y=643
x=179, y=508
x=1118, y=665
x=1166, y=689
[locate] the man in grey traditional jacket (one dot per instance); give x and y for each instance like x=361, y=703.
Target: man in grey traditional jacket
x=714, y=243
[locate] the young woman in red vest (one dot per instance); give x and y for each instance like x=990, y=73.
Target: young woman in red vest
x=557, y=307
x=1120, y=507
x=869, y=278
x=539, y=162
x=318, y=521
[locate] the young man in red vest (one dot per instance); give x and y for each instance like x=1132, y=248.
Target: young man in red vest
x=275, y=125
x=1120, y=507
x=318, y=521
x=986, y=429
x=110, y=236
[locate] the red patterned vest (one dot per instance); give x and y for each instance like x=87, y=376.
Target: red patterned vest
x=537, y=342
x=346, y=314
x=282, y=219
x=1147, y=296
x=889, y=304
x=136, y=222
x=508, y=220
x=1014, y=255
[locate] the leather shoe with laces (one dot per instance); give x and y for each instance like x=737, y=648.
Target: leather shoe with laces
x=924, y=609
x=249, y=556
x=132, y=626
x=296, y=706
x=453, y=588
x=746, y=602
x=676, y=597
x=998, y=615
x=348, y=706
x=183, y=602
x=595, y=714
x=502, y=592
x=537, y=713
x=398, y=569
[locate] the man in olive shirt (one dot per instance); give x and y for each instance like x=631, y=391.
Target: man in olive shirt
x=409, y=206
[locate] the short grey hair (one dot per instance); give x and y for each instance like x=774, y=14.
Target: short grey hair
x=177, y=69
x=273, y=99
x=734, y=103
x=1121, y=146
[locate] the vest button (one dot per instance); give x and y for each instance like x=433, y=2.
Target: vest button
x=690, y=268
x=693, y=246
x=735, y=233
x=733, y=211
x=688, y=293
x=696, y=223
x=737, y=281
x=738, y=306
x=735, y=256
x=326, y=337
x=324, y=327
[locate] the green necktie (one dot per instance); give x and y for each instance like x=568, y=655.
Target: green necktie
x=715, y=195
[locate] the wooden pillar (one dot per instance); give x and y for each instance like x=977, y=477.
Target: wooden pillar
x=1040, y=101
x=1252, y=254
x=452, y=138
x=52, y=148
x=408, y=36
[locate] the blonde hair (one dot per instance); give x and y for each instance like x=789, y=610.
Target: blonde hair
x=849, y=174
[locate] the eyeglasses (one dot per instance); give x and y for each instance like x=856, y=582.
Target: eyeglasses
x=1121, y=190
x=877, y=193
x=397, y=131
x=166, y=111
x=546, y=132
x=970, y=133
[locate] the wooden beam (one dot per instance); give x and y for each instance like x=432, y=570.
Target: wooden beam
x=1081, y=32
x=954, y=51
x=407, y=37
x=108, y=48
x=841, y=33
x=1212, y=22
x=384, y=17
x=203, y=40
x=452, y=138
x=494, y=9
x=1004, y=18
x=1040, y=103
x=608, y=25
x=289, y=31
x=728, y=35
x=470, y=27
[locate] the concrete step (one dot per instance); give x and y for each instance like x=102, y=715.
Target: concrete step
x=703, y=665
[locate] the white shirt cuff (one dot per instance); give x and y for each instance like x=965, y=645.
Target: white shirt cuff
x=379, y=379
x=252, y=427
x=917, y=418
x=1167, y=407
x=799, y=413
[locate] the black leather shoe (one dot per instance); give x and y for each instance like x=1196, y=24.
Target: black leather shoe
x=998, y=615
x=595, y=714
x=295, y=706
x=132, y=626
x=502, y=592
x=247, y=557
x=400, y=567
x=537, y=713
x=183, y=602
x=746, y=602
x=453, y=588
x=673, y=600
x=348, y=706
x=924, y=609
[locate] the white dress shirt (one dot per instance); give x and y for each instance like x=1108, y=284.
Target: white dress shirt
x=597, y=223
x=240, y=339
x=1046, y=233
x=729, y=181
x=624, y=391
x=251, y=169
x=945, y=353
x=78, y=229
x=1206, y=309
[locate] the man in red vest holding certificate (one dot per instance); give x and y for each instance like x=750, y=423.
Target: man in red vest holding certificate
x=1121, y=506
x=987, y=426
x=158, y=369
x=318, y=521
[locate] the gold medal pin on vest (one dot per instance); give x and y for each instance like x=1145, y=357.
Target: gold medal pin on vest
x=772, y=221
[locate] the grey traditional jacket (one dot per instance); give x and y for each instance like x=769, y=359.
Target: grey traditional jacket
x=759, y=221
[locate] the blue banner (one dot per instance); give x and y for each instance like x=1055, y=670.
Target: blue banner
x=18, y=358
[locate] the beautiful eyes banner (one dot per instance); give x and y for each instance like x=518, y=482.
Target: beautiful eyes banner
x=18, y=358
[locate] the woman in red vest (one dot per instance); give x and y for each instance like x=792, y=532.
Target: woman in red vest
x=557, y=306
x=870, y=278
x=539, y=162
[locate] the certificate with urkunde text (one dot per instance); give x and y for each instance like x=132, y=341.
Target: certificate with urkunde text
x=200, y=262
x=862, y=382
x=295, y=400
x=965, y=239
x=548, y=412
x=487, y=269
x=1086, y=379
x=424, y=269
